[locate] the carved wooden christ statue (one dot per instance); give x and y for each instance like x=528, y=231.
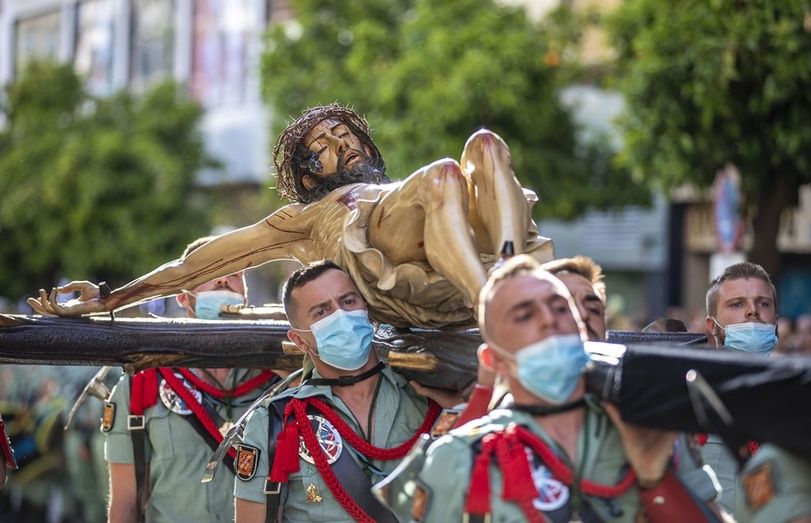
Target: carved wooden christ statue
x=418, y=249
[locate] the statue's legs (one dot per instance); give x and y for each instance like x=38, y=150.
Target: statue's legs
x=425, y=218
x=498, y=208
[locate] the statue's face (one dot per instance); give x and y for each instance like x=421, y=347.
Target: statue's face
x=334, y=143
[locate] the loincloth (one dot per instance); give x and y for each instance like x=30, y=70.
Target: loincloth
x=413, y=293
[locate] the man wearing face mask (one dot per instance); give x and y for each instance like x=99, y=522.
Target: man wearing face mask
x=356, y=418
x=584, y=279
x=741, y=316
x=162, y=425
x=553, y=454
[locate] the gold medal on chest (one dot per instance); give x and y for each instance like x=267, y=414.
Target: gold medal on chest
x=328, y=438
x=174, y=402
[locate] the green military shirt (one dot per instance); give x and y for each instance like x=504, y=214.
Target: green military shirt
x=177, y=457
x=444, y=473
x=774, y=486
x=715, y=454
x=397, y=413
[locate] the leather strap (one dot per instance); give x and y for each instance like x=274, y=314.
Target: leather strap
x=345, y=381
x=274, y=490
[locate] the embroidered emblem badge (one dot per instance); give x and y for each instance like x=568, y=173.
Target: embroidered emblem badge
x=246, y=462
x=107, y=416
x=328, y=438
x=173, y=402
x=552, y=494
x=759, y=486
x=444, y=422
x=313, y=495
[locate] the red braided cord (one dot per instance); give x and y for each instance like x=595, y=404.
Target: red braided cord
x=564, y=474
x=311, y=442
x=298, y=408
x=502, y=450
x=363, y=446
x=216, y=392
x=196, y=408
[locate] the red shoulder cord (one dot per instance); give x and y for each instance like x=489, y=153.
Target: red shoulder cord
x=751, y=445
x=143, y=391
x=197, y=409
x=286, y=457
x=240, y=390
x=508, y=447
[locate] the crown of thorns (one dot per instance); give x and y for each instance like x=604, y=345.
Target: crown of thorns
x=288, y=175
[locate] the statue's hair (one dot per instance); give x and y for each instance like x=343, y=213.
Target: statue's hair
x=293, y=161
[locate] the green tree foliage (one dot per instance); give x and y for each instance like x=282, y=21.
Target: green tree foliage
x=428, y=74
x=713, y=82
x=93, y=188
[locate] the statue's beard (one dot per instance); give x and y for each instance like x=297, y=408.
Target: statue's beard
x=365, y=170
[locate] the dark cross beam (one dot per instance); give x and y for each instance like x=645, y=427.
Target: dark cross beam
x=435, y=358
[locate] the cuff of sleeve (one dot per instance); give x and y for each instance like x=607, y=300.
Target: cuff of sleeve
x=476, y=405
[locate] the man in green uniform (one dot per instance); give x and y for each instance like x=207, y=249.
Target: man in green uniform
x=163, y=424
x=741, y=316
x=356, y=418
x=554, y=453
x=774, y=487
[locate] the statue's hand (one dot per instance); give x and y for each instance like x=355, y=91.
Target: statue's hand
x=88, y=301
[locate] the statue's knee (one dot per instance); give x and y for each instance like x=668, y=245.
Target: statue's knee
x=484, y=140
x=444, y=175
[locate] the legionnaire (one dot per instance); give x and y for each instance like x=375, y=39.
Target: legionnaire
x=553, y=454
x=774, y=486
x=417, y=249
x=741, y=316
x=355, y=418
x=584, y=279
x=162, y=425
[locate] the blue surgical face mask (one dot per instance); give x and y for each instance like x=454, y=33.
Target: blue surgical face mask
x=208, y=304
x=750, y=337
x=551, y=367
x=344, y=339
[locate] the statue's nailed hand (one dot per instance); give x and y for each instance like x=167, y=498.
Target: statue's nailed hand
x=89, y=300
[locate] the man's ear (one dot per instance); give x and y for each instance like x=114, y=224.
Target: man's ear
x=183, y=301
x=299, y=342
x=714, y=333
x=488, y=358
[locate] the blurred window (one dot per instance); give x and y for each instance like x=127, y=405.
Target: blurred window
x=152, y=42
x=94, y=45
x=36, y=37
x=227, y=44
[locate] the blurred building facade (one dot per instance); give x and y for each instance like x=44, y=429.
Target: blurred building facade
x=213, y=47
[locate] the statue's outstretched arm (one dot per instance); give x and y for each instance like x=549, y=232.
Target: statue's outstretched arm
x=276, y=237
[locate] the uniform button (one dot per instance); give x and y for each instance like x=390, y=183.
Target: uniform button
x=659, y=500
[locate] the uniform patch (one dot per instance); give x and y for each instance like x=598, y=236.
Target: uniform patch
x=107, y=416
x=418, y=503
x=444, y=422
x=328, y=438
x=246, y=462
x=759, y=486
